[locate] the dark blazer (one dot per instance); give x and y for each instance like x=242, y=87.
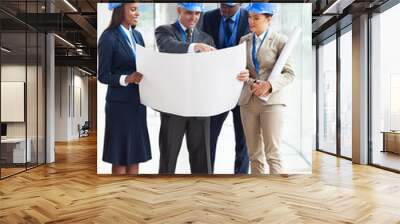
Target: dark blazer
x=212, y=19
x=115, y=59
x=169, y=39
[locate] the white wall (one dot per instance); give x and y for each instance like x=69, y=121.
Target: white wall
x=81, y=96
x=33, y=126
x=61, y=105
x=14, y=73
x=71, y=94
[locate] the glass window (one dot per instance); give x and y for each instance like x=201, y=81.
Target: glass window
x=22, y=91
x=31, y=97
x=41, y=79
x=14, y=153
x=385, y=84
x=346, y=94
x=299, y=125
x=146, y=24
x=327, y=97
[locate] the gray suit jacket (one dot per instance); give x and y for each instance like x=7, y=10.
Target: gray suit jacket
x=267, y=56
x=169, y=39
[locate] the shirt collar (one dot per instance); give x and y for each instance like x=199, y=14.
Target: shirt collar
x=127, y=31
x=234, y=17
x=261, y=35
x=182, y=26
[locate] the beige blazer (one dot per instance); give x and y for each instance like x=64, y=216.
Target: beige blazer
x=267, y=56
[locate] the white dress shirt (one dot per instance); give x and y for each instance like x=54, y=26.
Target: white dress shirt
x=260, y=38
x=128, y=32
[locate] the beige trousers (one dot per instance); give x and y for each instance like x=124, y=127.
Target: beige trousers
x=262, y=126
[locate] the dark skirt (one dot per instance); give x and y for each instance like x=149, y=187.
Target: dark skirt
x=126, y=138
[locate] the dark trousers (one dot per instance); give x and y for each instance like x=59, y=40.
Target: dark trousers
x=242, y=157
x=172, y=130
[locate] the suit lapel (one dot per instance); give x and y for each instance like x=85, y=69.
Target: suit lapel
x=249, y=41
x=137, y=39
x=122, y=40
x=265, y=44
x=217, y=28
x=177, y=32
x=196, y=35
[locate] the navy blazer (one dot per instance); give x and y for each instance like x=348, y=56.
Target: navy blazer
x=115, y=59
x=212, y=19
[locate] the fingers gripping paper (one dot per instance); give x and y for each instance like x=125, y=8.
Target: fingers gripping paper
x=192, y=84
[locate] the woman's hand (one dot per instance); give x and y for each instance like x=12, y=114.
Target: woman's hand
x=135, y=77
x=243, y=76
x=261, y=88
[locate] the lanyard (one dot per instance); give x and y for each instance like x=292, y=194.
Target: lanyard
x=183, y=33
x=132, y=45
x=254, y=52
x=230, y=41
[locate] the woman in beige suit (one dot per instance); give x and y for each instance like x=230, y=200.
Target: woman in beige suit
x=262, y=117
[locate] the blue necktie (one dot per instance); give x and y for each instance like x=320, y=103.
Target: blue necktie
x=228, y=27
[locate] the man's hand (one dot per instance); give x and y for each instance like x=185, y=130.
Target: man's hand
x=200, y=47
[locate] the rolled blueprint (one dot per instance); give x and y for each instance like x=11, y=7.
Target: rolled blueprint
x=283, y=57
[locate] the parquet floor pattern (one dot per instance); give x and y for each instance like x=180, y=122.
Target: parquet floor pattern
x=70, y=191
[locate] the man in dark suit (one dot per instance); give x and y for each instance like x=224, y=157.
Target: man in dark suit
x=184, y=37
x=227, y=25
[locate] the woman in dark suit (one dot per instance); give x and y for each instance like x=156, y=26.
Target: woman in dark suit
x=126, y=140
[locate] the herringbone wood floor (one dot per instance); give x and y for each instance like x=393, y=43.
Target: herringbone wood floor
x=69, y=191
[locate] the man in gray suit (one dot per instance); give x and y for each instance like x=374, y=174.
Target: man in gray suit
x=184, y=37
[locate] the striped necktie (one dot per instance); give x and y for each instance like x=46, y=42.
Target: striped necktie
x=189, y=34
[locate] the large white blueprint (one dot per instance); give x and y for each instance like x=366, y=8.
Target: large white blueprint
x=192, y=84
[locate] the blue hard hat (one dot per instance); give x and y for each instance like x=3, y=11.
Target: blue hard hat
x=229, y=3
x=198, y=7
x=112, y=6
x=262, y=8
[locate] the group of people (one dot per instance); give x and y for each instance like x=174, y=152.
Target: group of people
x=257, y=121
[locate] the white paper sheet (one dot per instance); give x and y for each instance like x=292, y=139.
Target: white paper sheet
x=192, y=84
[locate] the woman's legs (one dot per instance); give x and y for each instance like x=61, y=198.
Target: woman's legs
x=117, y=169
x=251, y=128
x=132, y=169
x=271, y=125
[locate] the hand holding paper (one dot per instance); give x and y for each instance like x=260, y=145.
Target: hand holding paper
x=243, y=76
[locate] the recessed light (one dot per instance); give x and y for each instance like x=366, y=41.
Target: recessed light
x=5, y=50
x=64, y=40
x=70, y=5
x=84, y=71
